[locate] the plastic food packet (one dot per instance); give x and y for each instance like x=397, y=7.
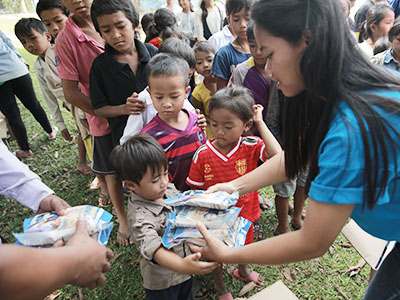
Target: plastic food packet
x=189, y=216
x=234, y=237
x=47, y=228
x=218, y=200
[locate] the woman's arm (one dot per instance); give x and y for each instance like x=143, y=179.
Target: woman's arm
x=321, y=227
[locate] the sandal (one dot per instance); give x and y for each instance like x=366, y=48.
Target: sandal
x=199, y=291
x=254, y=276
x=126, y=237
x=87, y=171
x=265, y=204
x=104, y=200
x=258, y=232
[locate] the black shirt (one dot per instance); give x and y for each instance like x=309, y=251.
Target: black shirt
x=111, y=82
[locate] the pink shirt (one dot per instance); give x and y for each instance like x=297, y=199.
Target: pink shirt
x=75, y=52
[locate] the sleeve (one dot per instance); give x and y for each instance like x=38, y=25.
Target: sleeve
x=49, y=98
x=196, y=174
x=341, y=165
x=221, y=65
x=98, y=94
x=198, y=25
x=152, y=49
x=19, y=183
x=197, y=101
x=395, y=5
x=237, y=76
x=66, y=66
x=261, y=150
x=144, y=233
x=10, y=45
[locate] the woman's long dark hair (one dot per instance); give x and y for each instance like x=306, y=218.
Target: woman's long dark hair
x=333, y=70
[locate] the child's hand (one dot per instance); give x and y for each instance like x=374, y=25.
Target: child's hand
x=201, y=120
x=134, y=105
x=66, y=135
x=258, y=109
x=193, y=265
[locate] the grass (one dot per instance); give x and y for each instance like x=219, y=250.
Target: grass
x=55, y=162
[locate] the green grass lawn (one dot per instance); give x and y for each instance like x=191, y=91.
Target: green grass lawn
x=55, y=162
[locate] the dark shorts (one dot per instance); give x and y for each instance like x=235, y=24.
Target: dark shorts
x=102, y=147
x=182, y=291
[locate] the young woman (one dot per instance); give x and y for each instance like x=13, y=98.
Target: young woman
x=341, y=118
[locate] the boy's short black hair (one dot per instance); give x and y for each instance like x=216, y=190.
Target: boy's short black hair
x=51, y=4
x=234, y=6
x=394, y=31
x=132, y=159
x=25, y=25
x=107, y=7
x=164, y=64
x=171, y=32
x=146, y=21
x=250, y=31
x=205, y=47
x=236, y=99
x=179, y=48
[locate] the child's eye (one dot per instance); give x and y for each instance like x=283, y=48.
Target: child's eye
x=213, y=125
x=106, y=31
x=210, y=60
x=228, y=128
x=235, y=20
x=121, y=27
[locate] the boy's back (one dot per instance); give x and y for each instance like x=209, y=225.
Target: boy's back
x=179, y=146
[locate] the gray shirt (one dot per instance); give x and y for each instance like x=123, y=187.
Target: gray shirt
x=147, y=222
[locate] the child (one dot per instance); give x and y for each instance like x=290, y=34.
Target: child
x=380, y=19
x=126, y=58
x=35, y=38
x=391, y=57
x=252, y=74
x=185, y=20
x=176, y=129
x=78, y=44
x=238, y=51
x=209, y=19
x=147, y=111
x=229, y=155
x=146, y=22
x=202, y=93
x=163, y=18
x=142, y=164
x=54, y=15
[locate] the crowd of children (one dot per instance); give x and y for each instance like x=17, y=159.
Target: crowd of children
x=176, y=111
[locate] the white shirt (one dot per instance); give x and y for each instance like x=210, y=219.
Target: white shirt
x=215, y=19
x=136, y=123
x=221, y=38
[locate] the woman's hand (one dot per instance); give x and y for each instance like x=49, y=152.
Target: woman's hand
x=226, y=186
x=53, y=203
x=214, y=250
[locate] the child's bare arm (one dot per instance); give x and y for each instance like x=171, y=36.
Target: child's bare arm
x=272, y=146
x=189, y=265
x=74, y=96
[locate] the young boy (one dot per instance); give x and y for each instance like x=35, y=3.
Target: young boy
x=78, y=44
x=54, y=15
x=143, y=165
x=36, y=40
x=238, y=51
x=120, y=71
x=176, y=129
x=202, y=93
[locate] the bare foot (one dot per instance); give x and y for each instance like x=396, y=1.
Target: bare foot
x=296, y=224
x=281, y=230
x=23, y=153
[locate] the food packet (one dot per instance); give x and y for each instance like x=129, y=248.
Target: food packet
x=218, y=200
x=47, y=228
x=234, y=237
x=189, y=216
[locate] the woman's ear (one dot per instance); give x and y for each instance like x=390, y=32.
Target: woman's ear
x=307, y=36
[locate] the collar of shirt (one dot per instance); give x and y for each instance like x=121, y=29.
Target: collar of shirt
x=389, y=57
x=78, y=33
x=226, y=31
x=152, y=206
x=143, y=55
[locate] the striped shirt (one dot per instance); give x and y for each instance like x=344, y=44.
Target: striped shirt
x=179, y=146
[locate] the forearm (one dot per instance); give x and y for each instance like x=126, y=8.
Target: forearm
x=270, y=172
x=74, y=96
x=169, y=260
x=29, y=273
x=272, y=146
x=110, y=111
x=221, y=83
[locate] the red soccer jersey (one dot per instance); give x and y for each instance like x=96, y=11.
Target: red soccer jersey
x=210, y=166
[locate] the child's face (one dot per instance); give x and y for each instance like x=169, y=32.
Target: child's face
x=204, y=61
x=36, y=43
x=80, y=8
x=152, y=186
x=384, y=26
x=257, y=53
x=184, y=3
x=396, y=45
x=168, y=94
x=54, y=20
x=239, y=21
x=227, y=128
x=117, y=30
